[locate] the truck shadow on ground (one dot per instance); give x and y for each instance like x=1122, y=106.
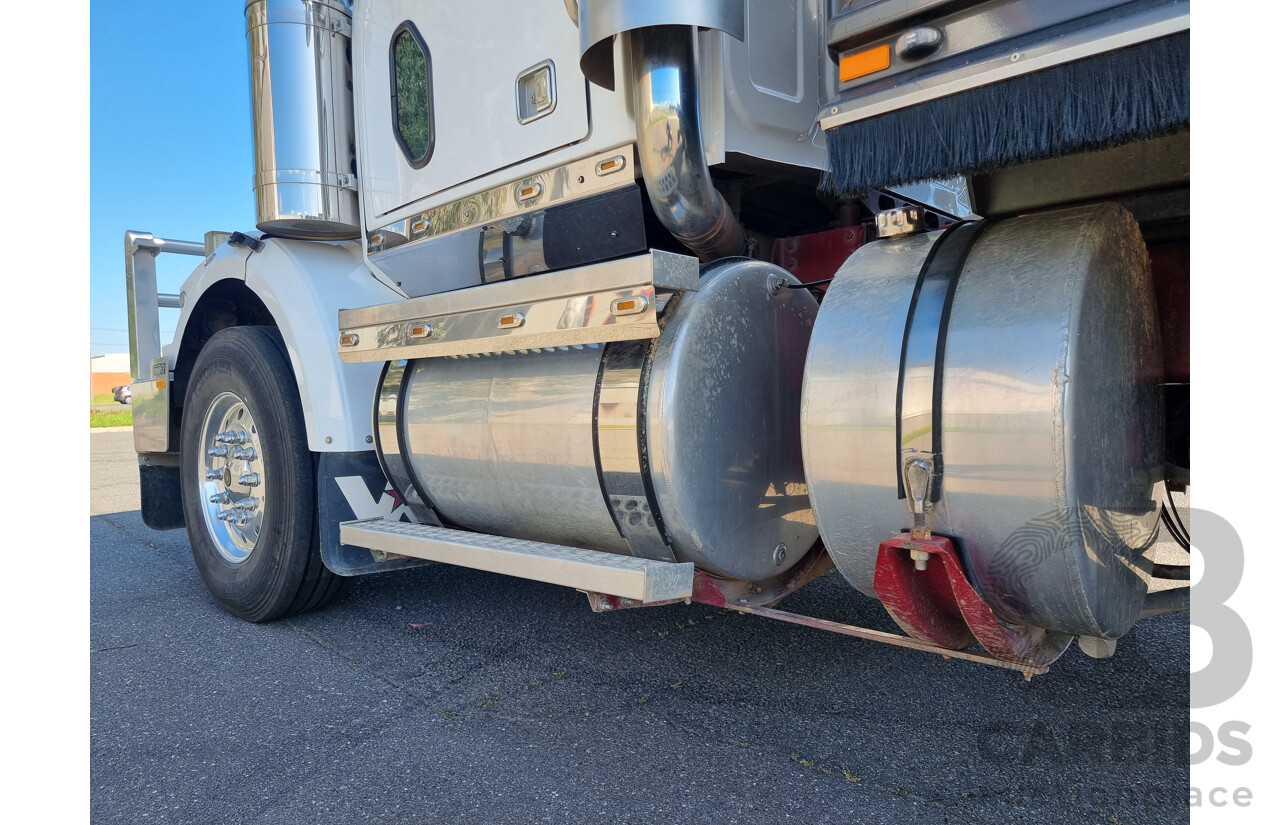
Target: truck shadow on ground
x=845, y=730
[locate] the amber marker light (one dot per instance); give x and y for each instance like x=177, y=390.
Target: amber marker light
x=854, y=66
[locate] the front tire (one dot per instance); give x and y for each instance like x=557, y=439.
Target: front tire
x=248, y=480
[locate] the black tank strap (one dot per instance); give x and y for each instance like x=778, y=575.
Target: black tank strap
x=924, y=337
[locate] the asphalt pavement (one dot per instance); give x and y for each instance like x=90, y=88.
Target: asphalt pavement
x=448, y=695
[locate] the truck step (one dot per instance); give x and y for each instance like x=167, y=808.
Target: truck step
x=644, y=580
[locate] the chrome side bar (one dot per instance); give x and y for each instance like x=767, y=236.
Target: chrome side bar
x=144, y=302
x=627, y=577
x=150, y=371
x=595, y=304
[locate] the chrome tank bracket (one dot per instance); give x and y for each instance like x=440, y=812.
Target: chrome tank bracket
x=387, y=440
x=619, y=449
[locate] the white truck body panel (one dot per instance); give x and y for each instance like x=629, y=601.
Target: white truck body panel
x=757, y=100
x=759, y=97
x=473, y=81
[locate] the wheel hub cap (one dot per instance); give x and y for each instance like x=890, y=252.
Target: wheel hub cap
x=233, y=478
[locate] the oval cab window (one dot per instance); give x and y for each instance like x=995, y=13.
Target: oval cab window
x=411, y=95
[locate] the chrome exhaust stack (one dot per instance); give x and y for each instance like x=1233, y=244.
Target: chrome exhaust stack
x=664, y=95
x=303, y=118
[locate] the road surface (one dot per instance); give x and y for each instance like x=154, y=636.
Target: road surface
x=443, y=694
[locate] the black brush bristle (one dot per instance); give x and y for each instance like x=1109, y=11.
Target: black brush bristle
x=1143, y=91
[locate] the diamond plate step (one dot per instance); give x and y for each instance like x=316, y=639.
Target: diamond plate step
x=644, y=580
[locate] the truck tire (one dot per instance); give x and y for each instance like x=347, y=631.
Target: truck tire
x=248, y=480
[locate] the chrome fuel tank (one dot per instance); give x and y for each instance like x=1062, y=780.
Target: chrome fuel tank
x=1048, y=415
x=686, y=447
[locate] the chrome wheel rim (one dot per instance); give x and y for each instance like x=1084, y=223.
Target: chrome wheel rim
x=232, y=477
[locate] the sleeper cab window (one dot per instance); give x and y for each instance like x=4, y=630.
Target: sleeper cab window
x=411, y=115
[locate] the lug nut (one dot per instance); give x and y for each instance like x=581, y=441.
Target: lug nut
x=246, y=504
x=217, y=452
x=250, y=479
x=245, y=454
x=216, y=475
x=220, y=498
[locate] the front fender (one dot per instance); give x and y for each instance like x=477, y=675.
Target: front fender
x=303, y=284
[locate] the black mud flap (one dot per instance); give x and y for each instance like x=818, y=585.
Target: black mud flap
x=161, y=494
x=351, y=486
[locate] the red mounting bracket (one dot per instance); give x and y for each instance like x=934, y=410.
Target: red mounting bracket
x=938, y=604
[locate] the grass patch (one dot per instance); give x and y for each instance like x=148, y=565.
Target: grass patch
x=102, y=418
x=103, y=398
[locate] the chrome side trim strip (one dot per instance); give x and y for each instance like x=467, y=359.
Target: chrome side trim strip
x=566, y=308
x=579, y=179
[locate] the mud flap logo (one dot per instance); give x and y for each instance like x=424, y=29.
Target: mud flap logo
x=390, y=506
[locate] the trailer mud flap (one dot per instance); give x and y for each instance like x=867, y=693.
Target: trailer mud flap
x=352, y=486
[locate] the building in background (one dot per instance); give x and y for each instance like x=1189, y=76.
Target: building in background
x=108, y=371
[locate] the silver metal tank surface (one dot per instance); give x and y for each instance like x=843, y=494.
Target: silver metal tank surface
x=303, y=118
x=1051, y=415
x=504, y=444
x=508, y=444
x=723, y=422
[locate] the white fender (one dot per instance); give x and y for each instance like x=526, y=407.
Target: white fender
x=303, y=284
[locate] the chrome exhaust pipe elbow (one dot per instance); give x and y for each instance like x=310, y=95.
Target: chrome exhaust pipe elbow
x=664, y=95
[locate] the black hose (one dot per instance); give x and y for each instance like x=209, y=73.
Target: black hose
x=1173, y=508
x=811, y=284
x=1174, y=528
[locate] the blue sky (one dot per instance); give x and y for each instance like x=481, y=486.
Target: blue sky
x=170, y=143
